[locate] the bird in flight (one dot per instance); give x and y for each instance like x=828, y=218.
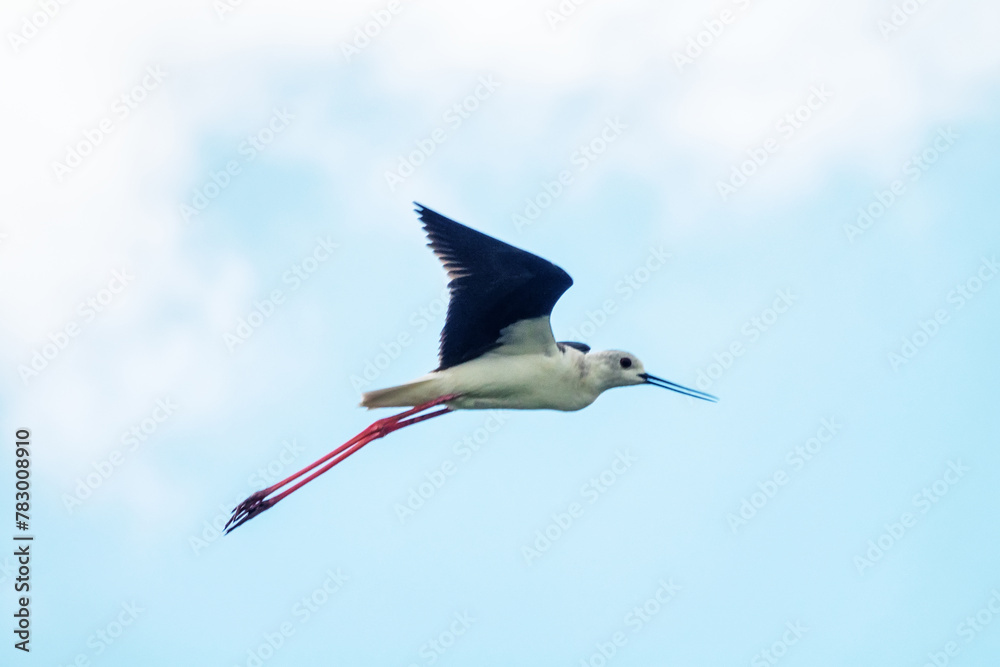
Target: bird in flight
x=497, y=351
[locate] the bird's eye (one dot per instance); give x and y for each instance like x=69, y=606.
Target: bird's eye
x=625, y=362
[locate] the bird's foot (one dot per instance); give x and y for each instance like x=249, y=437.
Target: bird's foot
x=248, y=509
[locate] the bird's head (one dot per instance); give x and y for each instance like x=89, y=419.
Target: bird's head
x=614, y=368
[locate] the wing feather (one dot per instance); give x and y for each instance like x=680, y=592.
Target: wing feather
x=493, y=285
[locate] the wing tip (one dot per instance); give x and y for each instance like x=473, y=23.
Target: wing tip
x=429, y=218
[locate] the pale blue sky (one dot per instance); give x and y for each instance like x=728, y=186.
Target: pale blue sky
x=335, y=567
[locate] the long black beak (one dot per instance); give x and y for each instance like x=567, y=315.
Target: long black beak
x=667, y=384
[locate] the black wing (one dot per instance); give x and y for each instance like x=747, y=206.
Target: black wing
x=493, y=285
x=583, y=347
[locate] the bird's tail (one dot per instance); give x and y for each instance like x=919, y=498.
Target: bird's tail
x=405, y=395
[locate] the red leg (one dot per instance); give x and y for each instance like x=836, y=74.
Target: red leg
x=263, y=500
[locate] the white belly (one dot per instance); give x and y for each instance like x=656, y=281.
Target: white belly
x=517, y=383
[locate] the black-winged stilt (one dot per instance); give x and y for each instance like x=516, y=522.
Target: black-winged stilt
x=497, y=350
